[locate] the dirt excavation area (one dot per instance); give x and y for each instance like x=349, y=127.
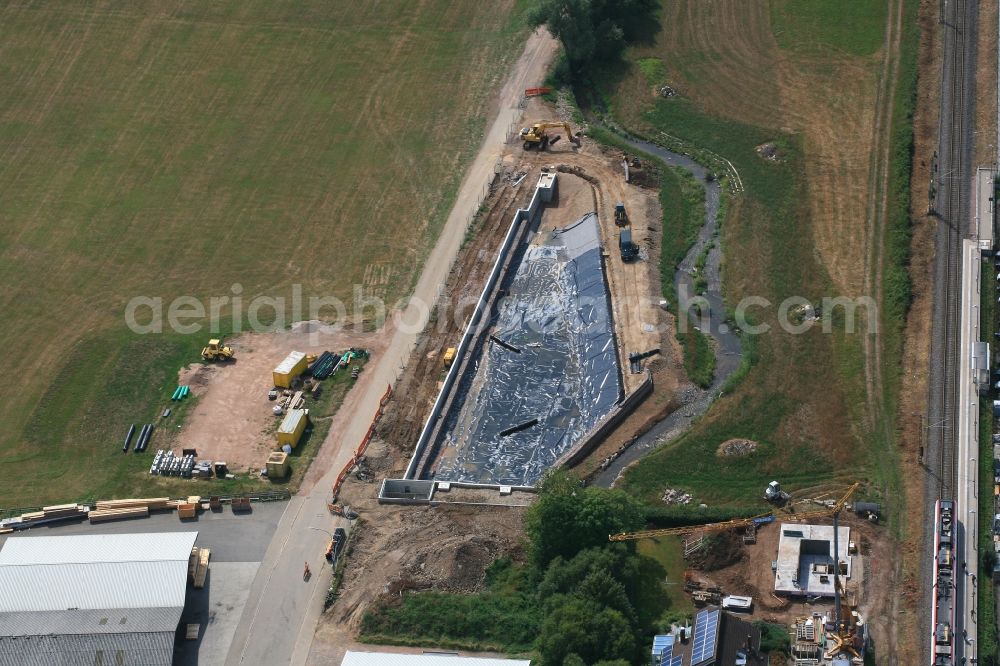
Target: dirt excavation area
x=232, y=418
x=448, y=546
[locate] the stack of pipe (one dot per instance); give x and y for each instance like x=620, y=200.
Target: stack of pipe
x=326, y=365
x=128, y=438
x=181, y=392
x=144, y=435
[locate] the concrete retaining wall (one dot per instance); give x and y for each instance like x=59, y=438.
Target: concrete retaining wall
x=609, y=423
x=544, y=191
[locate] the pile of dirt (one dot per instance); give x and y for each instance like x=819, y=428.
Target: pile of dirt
x=720, y=551
x=672, y=496
x=736, y=448
x=770, y=151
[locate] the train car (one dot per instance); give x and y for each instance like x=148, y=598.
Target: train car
x=943, y=598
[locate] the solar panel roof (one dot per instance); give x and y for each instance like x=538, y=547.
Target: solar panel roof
x=706, y=636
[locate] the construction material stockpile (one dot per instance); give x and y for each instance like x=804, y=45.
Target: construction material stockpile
x=181, y=392
x=107, y=510
x=327, y=364
x=165, y=463
x=47, y=514
x=140, y=444
x=198, y=566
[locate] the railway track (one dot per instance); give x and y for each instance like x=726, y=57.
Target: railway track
x=951, y=179
x=952, y=207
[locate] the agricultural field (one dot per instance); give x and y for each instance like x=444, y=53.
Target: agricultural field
x=180, y=148
x=810, y=101
x=808, y=225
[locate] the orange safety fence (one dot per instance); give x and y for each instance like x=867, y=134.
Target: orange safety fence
x=360, y=451
x=534, y=92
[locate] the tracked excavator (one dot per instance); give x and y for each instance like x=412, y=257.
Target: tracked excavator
x=536, y=136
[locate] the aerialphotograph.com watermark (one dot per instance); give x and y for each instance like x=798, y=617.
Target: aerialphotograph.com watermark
x=232, y=312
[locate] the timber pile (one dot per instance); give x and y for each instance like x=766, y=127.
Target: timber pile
x=104, y=515
x=198, y=566
x=150, y=503
x=48, y=514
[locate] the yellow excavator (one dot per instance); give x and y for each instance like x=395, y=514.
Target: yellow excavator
x=215, y=351
x=536, y=136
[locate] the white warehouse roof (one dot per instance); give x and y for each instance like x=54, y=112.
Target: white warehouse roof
x=393, y=659
x=66, y=598
x=95, y=571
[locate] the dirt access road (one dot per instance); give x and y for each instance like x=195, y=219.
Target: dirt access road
x=280, y=617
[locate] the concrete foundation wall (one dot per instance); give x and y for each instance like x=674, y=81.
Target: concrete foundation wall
x=523, y=217
x=575, y=455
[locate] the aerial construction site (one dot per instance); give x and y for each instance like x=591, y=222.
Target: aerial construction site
x=522, y=333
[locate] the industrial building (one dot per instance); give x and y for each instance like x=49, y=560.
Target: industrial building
x=805, y=564
x=92, y=599
x=393, y=659
x=717, y=639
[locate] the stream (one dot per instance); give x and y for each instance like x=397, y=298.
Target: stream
x=728, y=351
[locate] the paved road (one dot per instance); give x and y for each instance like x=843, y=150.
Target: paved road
x=279, y=621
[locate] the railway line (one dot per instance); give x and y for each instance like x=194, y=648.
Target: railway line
x=947, y=418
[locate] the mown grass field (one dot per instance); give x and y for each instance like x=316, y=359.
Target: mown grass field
x=178, y=148
x=750, y=74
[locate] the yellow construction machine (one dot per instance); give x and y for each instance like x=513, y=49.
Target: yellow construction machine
x=215, y=351
x=536, y=136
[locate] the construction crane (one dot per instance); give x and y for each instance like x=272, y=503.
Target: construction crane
x=536, y=135
x=734, y=524
x=692, y=529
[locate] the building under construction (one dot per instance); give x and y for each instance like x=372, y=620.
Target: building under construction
x=818, y=641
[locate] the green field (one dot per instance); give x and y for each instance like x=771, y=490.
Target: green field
x=179, y=148
x=804, y=399
x=856, y=27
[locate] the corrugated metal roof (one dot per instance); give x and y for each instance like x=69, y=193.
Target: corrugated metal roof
x=49, y=587
x=68, y=584
x=393, y=659
x=84, y=548
x=290, y=362
x=291, y=420
x=86, y=621
x=140, y=649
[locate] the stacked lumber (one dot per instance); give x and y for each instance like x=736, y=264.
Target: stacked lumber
x=198, y=566
x=151, y=503
x=48, y=514
x=104, y=515
x=186, y=510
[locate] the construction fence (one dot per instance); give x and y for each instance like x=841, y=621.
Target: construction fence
x=363, y=446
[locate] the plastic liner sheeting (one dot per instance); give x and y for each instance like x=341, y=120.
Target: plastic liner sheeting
x=549, y=355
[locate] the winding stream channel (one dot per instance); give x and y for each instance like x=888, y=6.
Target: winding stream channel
x=728, y=351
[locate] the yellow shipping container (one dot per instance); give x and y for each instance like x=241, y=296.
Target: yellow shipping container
x=292, y=426
x=293, y=366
